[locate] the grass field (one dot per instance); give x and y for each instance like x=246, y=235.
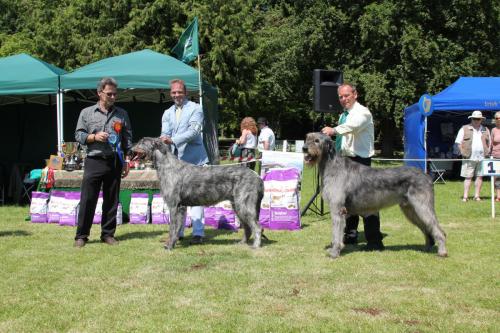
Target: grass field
x=289, y=285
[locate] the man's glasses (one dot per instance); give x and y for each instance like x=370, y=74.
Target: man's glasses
x=110, y=94
x=497, y=118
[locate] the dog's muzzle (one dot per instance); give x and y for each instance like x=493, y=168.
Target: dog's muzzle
x=308, y=158
x=139, y=154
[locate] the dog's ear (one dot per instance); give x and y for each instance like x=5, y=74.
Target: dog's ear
x=329, y=146
x=332, y=151
x=157, y=156
x=163, y=147
x=325, y=137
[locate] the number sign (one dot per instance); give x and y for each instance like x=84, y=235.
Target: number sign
x=491, y=167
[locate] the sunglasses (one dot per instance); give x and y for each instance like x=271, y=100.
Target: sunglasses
x=110, y=94
x=497, y=118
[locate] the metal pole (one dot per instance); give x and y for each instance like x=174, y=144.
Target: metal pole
x=199, y=82
x=59, y=122
x=492, y=186
x=425, y=144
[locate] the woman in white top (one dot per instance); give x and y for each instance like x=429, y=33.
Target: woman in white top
x=248, y=139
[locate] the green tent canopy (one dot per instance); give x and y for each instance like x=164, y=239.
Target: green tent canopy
x=23, y=74
x=144, y=69
x=25, y=79
x=145, y=75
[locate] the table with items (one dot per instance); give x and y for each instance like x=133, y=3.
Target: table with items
x=137, y=181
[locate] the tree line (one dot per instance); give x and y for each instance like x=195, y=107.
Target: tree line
x=260, y=54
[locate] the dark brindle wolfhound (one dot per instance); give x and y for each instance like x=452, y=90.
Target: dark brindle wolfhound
x=183, y=184
x=353, y=188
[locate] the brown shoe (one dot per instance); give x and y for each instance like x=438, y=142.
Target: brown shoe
x=110, y=241
x=79, y=243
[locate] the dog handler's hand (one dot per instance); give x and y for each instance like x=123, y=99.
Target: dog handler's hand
x=328, y=131
x=101, y=136
x=126, y=168
x=166, y=140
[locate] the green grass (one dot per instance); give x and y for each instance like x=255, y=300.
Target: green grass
x=289, y=285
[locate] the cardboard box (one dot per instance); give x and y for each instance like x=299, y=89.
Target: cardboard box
x=55, y=162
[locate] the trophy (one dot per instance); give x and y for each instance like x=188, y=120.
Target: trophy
x=69, y=149
x=82, y=155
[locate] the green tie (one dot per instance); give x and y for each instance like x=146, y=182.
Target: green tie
x=338, y=139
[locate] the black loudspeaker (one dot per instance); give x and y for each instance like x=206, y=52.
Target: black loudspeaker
x=326, y=83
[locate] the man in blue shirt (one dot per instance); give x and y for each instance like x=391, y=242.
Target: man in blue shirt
x=181, y=127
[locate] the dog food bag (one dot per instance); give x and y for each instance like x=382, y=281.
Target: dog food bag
x=69, y=211
x=210, y=214
x=55, y=205
x=39, y=206
x=221, y=216
x=226, y=216
x=98, y=210
x=280, y=208
x=159, y=210
x=139, y=208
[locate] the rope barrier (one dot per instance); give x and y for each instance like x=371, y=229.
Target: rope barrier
x=242, y=160
x=430, y=159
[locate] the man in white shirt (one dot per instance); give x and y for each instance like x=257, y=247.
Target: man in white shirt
x=474, y=142
x=266, y=139
x=355, y=138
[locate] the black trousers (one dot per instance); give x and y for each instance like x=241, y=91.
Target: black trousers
x=371, y=222
x=99, y=172
x=247, y=152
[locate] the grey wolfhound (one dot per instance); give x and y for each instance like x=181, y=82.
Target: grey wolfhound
x=183, y=184
x=353, y=188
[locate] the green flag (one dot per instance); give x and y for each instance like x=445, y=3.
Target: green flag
x=187, y=48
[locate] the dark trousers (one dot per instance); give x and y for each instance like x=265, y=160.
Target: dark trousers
x=99, y=172
x=247, y=153
x=370, y=222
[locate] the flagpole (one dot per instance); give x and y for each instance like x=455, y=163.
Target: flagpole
x=199, y=82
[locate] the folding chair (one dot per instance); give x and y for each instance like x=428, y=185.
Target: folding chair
x=437, y=173
x=28, y=186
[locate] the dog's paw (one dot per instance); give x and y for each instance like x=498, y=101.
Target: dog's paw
x=255, y=246
x=333, y=254
x=169, y=247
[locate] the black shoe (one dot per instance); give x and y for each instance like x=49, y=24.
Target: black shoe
x=110, y=241
x=350, y=240
x=79, y=243
x=351, y=237
x=196, y=240
x=377, y=246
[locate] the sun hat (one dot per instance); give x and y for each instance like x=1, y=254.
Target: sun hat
x=477, y=115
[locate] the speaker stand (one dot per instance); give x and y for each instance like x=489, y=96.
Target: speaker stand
x=312, y=204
